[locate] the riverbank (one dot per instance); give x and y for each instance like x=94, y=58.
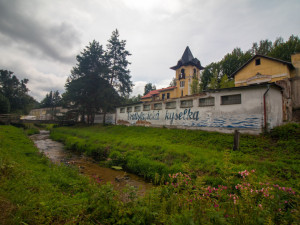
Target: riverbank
x=35, y=191
x=156, y=152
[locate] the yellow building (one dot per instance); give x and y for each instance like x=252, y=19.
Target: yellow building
x=186, y=69
x=260, y=69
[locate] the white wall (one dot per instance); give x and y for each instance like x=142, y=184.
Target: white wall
x=109, y=118
x=248, y=116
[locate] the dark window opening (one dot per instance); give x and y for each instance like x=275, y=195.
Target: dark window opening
x=168, y=95
x=257, y=62
x=231, y=99
x=210, y=101
x=163, y=96
x=182, y=74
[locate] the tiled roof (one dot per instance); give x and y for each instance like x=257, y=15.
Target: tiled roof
x=155, y=92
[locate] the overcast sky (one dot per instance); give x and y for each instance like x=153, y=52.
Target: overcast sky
x=39, y=39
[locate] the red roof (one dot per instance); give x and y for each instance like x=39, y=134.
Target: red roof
x=155, y=92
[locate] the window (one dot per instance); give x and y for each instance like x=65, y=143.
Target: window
x=122, y=110
x=181, y=83
x=158, y=106
x=171, y=105
x=168, y=95
x=163, y=96
x=146, y=108
x=257, y=62
x=129, y=109
x=194, y=73
x=231, y=99
x=206, y=102
x=186, y=103
x=137, y=108
x=182, y=74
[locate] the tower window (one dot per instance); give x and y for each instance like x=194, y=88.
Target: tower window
x=181, y=83
x=182, y=74
x=257, y=62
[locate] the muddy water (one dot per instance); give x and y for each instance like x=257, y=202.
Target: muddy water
x=87, y=166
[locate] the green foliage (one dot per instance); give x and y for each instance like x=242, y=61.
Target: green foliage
x=14, y=96
x=52, y=99
x=119, y=74
x=4, y=104
x=149, y=87
x=195, y=86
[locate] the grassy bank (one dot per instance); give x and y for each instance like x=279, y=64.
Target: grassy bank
x=156, y=152
x=35, y=191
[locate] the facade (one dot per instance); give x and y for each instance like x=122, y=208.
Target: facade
x=266, y=93
x=224, y=110
x=260, y=69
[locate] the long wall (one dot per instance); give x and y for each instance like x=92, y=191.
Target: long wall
x=219, y=110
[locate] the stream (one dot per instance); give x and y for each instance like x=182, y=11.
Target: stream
x=57, y=154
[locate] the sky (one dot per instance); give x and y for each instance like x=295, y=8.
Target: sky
x=39, y=39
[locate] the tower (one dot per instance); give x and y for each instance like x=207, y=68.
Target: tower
x=187, y=68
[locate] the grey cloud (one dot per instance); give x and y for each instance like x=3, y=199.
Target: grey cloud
x=54, y=41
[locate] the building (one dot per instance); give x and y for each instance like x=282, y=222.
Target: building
x=186, y=69
x=265, y=95
x=264, y=69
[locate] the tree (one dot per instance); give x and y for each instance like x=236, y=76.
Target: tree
x=214, y=81
x=119, y=75
x=173, y=82
x=15, y=92
x=195, y=88
x=234, y=60
x=225, y=82
x=149, y=87
x=213, y=70
x=4, y=104
x=264, y=47
x=52, y=100
x=284, y=50
x=87, y=85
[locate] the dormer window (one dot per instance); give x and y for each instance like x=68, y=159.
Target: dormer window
x=257, y=62
x=182, y=74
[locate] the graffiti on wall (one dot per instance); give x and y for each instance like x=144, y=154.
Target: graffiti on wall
x=188, y=117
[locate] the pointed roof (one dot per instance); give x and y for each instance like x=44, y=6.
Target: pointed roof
x=188, y=59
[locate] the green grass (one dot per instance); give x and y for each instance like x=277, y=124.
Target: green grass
x=150, y=151
x=35, y=191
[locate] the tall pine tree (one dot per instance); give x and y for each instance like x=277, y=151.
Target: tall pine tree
x=119, y=74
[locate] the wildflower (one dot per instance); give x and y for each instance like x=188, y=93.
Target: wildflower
x=216, y=205
x=260, y=206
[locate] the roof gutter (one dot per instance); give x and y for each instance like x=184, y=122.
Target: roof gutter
x=265, y=108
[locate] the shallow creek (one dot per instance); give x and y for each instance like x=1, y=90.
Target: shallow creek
x=56, y=153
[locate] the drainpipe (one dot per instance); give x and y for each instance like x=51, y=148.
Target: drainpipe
x=265, y=108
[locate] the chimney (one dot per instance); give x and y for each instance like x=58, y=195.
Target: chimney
x=296, y=63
